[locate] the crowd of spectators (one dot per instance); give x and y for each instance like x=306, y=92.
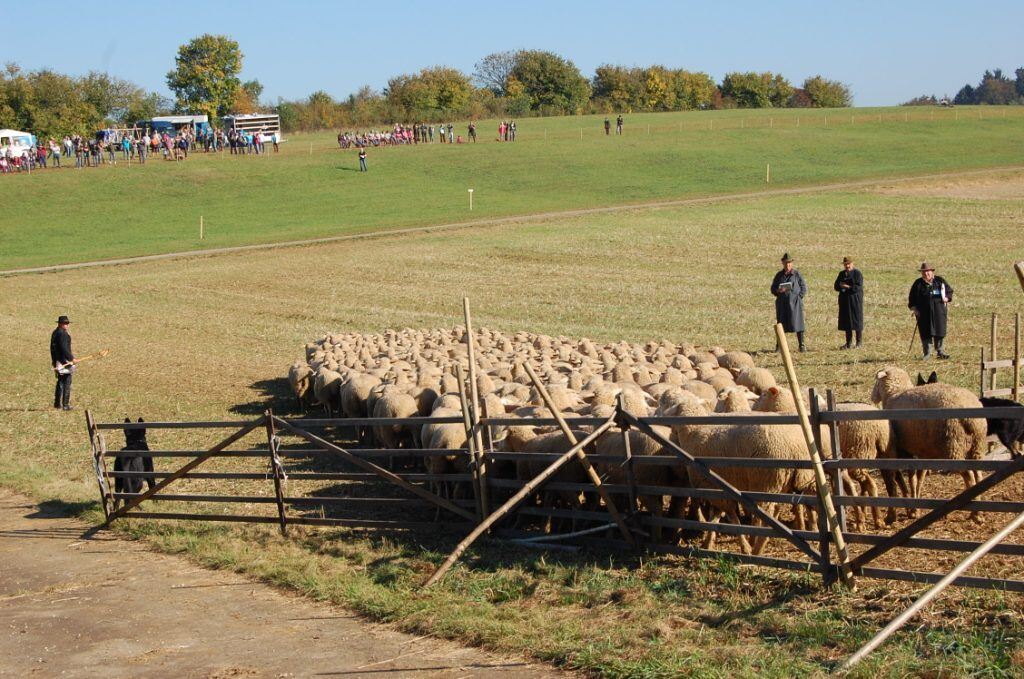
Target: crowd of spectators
x=108, y=146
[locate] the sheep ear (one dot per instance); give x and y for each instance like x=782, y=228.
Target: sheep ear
x=920, y=380
x=774, y=391
x=933, y=378
x=880, y=374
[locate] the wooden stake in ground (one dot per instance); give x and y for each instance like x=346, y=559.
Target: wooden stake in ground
x=582, y=457
x=821, y=481
x=514, y=501
x=1019, y=268
x=937, y=589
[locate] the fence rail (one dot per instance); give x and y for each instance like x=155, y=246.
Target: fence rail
x=285, y=467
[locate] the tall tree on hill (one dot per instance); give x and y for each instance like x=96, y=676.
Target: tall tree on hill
x=431, y=91
x=757, y=90
x=995, y=88
x=965, y=96
x=552, y=83
x=205, y=77
x=493, y=71
x=827, y=93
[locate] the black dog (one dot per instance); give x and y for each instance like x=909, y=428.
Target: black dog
x=134, y=439
x=1009, y=430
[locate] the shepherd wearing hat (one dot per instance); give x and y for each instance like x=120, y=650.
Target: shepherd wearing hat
x=63, y=363
x=929, y=299
x=789, y=289
x=850, y=286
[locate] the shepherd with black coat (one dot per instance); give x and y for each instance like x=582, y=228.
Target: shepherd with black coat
x=789, y=289
x=929, y=298
x=850, y=286
x=63, y=361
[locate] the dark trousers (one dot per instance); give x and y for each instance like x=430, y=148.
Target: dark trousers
x=62, y=393
x=849, y=337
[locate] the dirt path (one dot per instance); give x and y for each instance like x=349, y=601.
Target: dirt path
x=538, y=217
x=76, y=605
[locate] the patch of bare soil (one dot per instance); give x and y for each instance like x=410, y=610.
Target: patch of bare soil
x=82, y=604
x=995, y=187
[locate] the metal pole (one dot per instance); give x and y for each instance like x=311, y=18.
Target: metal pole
x=932, y=593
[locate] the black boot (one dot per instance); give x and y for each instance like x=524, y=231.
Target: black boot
x=938, y=348
x=800, y=339
x=858, y=339
x=849, y=339
x=926, y=345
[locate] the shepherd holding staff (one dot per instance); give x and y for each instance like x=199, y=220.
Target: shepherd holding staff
x=929, y=299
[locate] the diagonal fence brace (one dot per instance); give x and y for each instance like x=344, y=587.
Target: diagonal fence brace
x=379, y=471
x=724, y=485
x=956, y=503
x=185, y=469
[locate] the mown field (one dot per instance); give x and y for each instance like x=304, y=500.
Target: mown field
x=312, y=188
x=211, y=338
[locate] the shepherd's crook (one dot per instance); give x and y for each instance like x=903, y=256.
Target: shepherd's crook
x=913, y=336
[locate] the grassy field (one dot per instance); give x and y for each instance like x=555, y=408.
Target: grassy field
x=312, y=188
x=211, y=338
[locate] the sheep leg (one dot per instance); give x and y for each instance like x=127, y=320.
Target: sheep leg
x=655, y=504
x=970, y=478
x=870, y=488
x=734, y=517
x=709, y=539
x=858, y=510
x=761, y=541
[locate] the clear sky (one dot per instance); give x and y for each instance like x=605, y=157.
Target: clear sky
x=887, y=52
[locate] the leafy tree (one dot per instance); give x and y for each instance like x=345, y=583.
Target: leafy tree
x=205, y=77
x=693, y=90
x=748, y=90
x=965, y=96
x=923, y=100
x=1019, y=83
x=659, y=95
x=619, y=87
x=552, y=83
x=827, y=93
x=995, y=88
x=429, y=92
x=493, y=71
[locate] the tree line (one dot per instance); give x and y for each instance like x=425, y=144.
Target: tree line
x=205, y=80
x=995, y=89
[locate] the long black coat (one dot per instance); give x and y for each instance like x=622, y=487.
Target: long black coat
x=789, y=306
x=928, y=301
x=60, y=346
x=851, y=299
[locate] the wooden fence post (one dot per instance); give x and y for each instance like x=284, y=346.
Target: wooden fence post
x=99, y=464
x=474, y=411
x=823, y=536
x=474, y=453
x=981, y=376
x=1016, y=357
x=630, y=471
x=275, y=468
x=837, y=454
x=821, y=481
x=992, y=351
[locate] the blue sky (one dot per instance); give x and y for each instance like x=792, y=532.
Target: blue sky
x=886, y=51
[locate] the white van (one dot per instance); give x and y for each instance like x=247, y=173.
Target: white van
x=18, y=142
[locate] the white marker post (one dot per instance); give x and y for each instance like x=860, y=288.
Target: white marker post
x=471, y=200
x=200, y=227
x=310, y=148
x=768, y=173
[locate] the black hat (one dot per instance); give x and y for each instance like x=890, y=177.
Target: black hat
x=786, y=258
x=63, y=319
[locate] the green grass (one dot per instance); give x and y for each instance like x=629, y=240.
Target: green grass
x=99, y=213
x=211, y=338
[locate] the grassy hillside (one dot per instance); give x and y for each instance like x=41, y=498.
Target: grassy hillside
x=312, y=188
x=211, y=338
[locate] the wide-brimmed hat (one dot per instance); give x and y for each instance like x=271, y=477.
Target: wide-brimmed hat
x=925, y=266
x=63, y=319
x=786, y=258
x=847, y=260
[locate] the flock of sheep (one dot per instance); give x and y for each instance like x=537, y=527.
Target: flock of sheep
x=412, y=373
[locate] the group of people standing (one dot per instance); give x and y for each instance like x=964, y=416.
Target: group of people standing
x=929, y=299
x=608, y=125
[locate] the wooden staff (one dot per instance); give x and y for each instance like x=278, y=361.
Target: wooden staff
x=821, y=481
x=514, y=501
x=1019, y=268
x=474, y=454
x=582, y=457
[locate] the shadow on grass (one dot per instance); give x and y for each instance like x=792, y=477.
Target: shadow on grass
x=273, y=393
x=52, y=509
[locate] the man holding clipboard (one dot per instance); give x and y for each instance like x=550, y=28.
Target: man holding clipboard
x=789, y=289
x=63, y=363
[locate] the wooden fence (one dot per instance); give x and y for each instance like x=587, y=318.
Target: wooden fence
x=281, y=478
x=988, y=384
